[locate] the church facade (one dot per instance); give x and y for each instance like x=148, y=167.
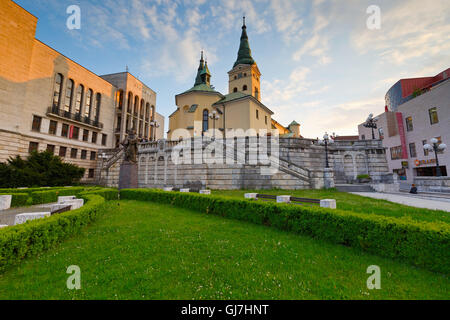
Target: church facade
x=240, y=109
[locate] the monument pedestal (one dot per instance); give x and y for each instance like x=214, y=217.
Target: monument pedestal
x=128, y=175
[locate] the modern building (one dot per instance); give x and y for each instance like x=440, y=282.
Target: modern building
x=409, y=122
x=49, y=102
x=241, y=108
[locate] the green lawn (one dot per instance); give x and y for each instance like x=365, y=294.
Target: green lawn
x=352, y=202
x=142, y=250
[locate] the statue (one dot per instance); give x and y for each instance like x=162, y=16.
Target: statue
x=131, y=147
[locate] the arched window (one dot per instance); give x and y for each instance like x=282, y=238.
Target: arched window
x=57, y=91
x=136, y=105
x=141, y=113
x=79, y=99
x=120, y=99
x=69, y=95
x=244, y=87
x=147, y=111
x=96, y=110
x=205, y=120
x=152, y=112
x=87, y=108
x=256, y=93
x=130, y=100
x=235, y=90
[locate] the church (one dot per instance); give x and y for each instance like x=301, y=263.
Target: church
x=202, y=108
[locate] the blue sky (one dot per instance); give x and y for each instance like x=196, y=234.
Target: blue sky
x=320, y=64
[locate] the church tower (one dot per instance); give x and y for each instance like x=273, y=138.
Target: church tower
x=203, y=74
x=245, y=75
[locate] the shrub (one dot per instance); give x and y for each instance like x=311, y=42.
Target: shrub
x=423, y=244
x=39, y=169
x=18, y=199
x=362, y=176
x=108, y=194
x=48, y=196
x=18, y=242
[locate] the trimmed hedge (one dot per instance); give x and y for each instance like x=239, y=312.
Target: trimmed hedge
x=47, y=196
x=108, y=194
x=18, y=199
x=18, y=242
x=424, y=244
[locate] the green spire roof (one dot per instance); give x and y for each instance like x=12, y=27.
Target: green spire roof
x=244, y=53
x=199, y=79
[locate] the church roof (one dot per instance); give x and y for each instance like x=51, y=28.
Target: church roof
x=244, y=53
x=202, y=87
x=232, y=96
x=294, y=123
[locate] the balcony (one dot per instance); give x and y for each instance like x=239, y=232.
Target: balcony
x=57, y=112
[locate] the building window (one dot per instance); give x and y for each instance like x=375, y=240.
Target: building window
x=130, y=97
x=265, y=119
x=57, y=91
x=363, y=137
x=51, y=148
x=120, y=98
x=52, y=127
x=69, y=94
x=244, y=88
x=235, y=90
x=433, y=115
x=85, y=135
x=381, y=133
x=62, y=151
x=87, y=108
x=205, y=120
x=79, y=98
x=83, y=154
x=409, y=124
x=257, y=114
x=75, y=133
x=91, y=173
x=93, y=155
x=412, y=150
x=104, y=136
x=33, y=147
x=98, y=101
x=36, y=126
x=65, y=130
x=256, y=93
x=94, y=137
x=425, y=151
x=396, y=153
x=73, y=153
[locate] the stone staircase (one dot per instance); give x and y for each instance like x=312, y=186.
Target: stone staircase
x=354, y=188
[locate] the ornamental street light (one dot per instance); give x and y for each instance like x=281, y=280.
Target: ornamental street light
x=327, y=140
x=436, y=147
x=214, y=116
x=154, y=124
x=371, y=123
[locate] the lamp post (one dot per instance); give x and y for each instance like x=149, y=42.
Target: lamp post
x=214, y=116
x=325, y=142
x=436, y=147
x=371, y=123
x=154, y=124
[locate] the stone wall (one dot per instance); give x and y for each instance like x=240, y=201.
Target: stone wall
x=432, y=184
x=300, y=164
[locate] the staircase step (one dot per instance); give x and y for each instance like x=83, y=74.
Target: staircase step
x=354, y=188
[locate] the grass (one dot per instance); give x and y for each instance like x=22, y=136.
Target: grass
x=352, y=202
x=143, y=250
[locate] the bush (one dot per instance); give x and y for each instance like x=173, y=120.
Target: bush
x=108, y=194
x=18, y=199
x=18, y=242
x=423, y=244
x=48, y=196
x=39, y=169
x=362, y=176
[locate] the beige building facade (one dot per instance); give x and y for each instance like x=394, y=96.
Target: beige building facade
x=49, y=102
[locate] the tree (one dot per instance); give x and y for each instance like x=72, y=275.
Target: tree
x=39, y=169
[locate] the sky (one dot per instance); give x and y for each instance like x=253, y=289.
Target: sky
x=320, y=63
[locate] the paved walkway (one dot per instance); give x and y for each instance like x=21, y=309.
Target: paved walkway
x=8, y=216
x=419, y=201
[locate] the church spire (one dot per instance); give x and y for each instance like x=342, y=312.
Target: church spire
x=203, y=74
x=244, y=53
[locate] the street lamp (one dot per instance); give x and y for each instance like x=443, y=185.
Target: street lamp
x=436, y=147
x=154, y=124
x=371, y=123
x=214, y=116
x=327, y=140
